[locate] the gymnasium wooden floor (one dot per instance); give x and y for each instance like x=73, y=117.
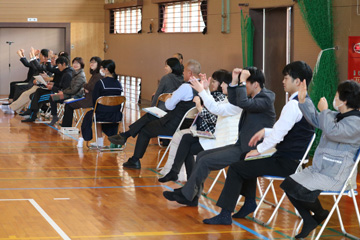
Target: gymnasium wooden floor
x=51, y=190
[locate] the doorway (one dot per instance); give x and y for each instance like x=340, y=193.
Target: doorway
x=273, y=39
x=15, y=36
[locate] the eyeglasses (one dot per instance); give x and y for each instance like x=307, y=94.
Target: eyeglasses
x=92, y=62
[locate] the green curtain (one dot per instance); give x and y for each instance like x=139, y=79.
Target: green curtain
x=318, y=17
x=247, y=40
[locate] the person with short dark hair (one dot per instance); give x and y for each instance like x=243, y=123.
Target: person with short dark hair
x=69, y=90
x=290, y=136
x=37, y=67
x=87, y=102
x=183, y=148
x=258, y=112
x=170, y=82
x=334, y=156
x=108, y=85
x=149, y=126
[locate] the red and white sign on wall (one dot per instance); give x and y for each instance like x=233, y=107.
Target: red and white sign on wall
x=354, y=59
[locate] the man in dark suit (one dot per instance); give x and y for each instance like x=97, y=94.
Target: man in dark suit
x=17, y=87
x=257, y=103
x=149, y=126
x=290, y=136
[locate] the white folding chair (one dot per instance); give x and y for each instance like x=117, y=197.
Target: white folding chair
x=222, y=171
x=163, y=97
x=108, y=101
x=349, y=190
x=271, y=186
x=78, y=116
x=190, y=114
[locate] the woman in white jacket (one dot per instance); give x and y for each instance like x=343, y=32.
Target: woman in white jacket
x=226, y=128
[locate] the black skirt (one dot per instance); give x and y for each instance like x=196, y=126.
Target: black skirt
x=299, y=192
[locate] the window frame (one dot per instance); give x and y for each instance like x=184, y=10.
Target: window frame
x=113, y=22
x=202, y=15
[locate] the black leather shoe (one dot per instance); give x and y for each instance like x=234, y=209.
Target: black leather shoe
x=180, y=198
x=171, y=176
x=117, y=139
x=26, y=113
x=132, y=164
x=169, y=195
x=28, y=120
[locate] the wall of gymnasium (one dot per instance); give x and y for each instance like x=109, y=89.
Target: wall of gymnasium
x=85, y=16
x=143, y=55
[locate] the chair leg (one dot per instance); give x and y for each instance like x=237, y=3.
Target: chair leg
x=263, y=198
x=215, y=180
x=163, y=156
x=329, y=216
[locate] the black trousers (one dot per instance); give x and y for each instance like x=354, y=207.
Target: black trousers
x=188, y=147
x=53, y=105
x=12, y=88
x=207, y=161
x=34, y=105
x=242, y=175
x=19, y=89
x=69, y=111
x=147, y=127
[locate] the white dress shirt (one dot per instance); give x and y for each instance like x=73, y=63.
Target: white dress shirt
x=183, y=93
x=290, y=114
x=219, y=108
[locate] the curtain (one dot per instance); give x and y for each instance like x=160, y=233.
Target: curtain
x=318, y=17
x=203, y=8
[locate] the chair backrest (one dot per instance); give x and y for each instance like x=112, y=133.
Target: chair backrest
x=111, y=101
x=190, y=114
x=306, y=153
x=163, y=97
x=353, y=170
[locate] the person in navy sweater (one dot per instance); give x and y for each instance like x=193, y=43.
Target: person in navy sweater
x=107, y=86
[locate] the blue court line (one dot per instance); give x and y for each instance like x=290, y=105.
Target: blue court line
x=62, y=133
x=236, y=223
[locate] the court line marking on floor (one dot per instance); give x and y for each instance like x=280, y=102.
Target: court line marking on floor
x=45, y=215
x=203, y=206
x=69, y=178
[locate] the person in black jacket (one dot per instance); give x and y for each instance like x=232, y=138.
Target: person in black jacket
x=19, y=85
x=66, y=76
x=149, y=126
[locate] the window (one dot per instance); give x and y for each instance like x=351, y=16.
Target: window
x=183, y=16
x=125, y=20
x=131, y=86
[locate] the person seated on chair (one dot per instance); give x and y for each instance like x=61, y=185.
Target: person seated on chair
x=24, y=98
x=87, y=102
x=107, y=86
x=170, y=82
x=258, y=112
x=52, y=86
x=290, y=136
x=73, y=90
x=225, y=130
x=334, y=156
x=149, y=126
x=29, y=78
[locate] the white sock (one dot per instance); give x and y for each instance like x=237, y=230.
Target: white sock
x=80, y=142
x=100, y=142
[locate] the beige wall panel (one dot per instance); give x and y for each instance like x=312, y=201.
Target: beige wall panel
x=143, y=55
x=86, y=18
x=346, y=24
